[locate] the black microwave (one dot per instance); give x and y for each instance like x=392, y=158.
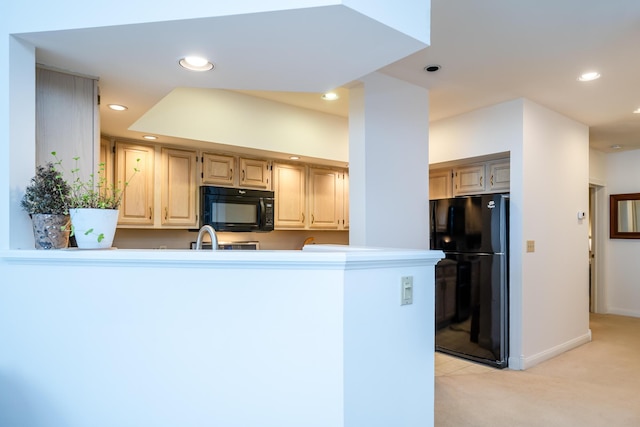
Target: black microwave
x=236, y=209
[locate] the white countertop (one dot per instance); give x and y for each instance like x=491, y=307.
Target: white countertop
x=312, y=256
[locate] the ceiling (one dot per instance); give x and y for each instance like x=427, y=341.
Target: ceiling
x=489, y=51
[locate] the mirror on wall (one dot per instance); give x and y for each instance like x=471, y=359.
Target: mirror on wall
x=624, y=216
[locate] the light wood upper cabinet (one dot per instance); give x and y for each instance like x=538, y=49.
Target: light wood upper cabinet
x=325, y=198
x=255, y=173
x=290, y=195
x=179, y=188
x=218, y=169
x=440, y=184
x=138, y=197
x=106, y=160
x=491, y=176
x=468, y=179
x=345, y=200
x=499, y=175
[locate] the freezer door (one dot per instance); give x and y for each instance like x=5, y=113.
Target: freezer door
x=471, y=307
x=470, y=224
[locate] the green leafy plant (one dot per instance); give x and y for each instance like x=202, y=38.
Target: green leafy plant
x=95, y=192
x=47, y=193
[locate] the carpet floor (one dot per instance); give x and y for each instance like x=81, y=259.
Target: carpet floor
x=596, y=384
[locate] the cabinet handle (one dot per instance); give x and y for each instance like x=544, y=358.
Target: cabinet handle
x=313, y=219
x=491, y=181
x=243, y=175
x=231, y=174
x=481, y=180
x=166, y=213
x=150, y=213
x=302, y=216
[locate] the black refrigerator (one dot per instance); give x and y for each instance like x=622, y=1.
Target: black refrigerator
x=472, y=287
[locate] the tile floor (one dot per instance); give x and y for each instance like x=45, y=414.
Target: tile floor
x=449, y=365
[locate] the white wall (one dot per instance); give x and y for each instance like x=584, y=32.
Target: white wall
x=548, y=291
x=555, y=281
x=622, y=255
x=388, y=146
x=164, y=339
x=597, y=167
x=236, y=119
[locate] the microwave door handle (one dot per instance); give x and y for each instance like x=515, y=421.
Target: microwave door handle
x=262, y=214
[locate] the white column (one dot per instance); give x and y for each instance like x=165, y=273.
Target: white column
x=389, y=163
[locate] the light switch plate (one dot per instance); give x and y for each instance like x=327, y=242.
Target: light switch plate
x=531, y=245
x=406, y=290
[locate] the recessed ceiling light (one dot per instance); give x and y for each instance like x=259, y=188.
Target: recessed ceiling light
x=117, y=107
x=330, y=96
x=432, y=68
x=636, y=111
x=615, y=146
x=587, y=77
x=151, y=137
x=196, y=63
x=294, y=157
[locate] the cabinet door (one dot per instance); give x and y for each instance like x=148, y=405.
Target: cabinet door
x=325, y=198
x=217, y=169
x=289, y=187
x=137, y=199
x=345, y=200
x=469, y=179
x=254, y=173
x=106, y=160
x=499, y=175
x=440, y=184
x=178, y=187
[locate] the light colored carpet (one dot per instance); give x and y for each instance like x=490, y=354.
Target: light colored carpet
x=596, y=384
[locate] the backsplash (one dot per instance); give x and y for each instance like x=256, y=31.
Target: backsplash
x=181, y=239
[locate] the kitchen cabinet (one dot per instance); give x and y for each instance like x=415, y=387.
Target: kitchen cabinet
x=106, y=160
x=499, y=172
x=289, y=185
x=440, y=184
x=255, y=173
x=309, y=197
x=137, y=203
x=179, y=188
x=218, y=169
x=468, y=179
x=325, y=199
x=345, y=200
x=491, y=176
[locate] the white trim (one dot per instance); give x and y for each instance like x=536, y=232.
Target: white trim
x=623, y=312
x=344, y=258
x=523, y=363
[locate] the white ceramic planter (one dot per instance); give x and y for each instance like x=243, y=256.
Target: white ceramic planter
x=94, y=228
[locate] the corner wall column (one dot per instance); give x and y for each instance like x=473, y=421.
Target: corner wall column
x=389, y=163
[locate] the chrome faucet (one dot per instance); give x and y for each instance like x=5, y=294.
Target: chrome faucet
x=212, y=233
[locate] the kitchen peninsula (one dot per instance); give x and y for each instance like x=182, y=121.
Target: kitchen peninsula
x=316, y=337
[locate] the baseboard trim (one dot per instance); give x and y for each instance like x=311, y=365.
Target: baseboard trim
x=523, y=363
x=623, y=312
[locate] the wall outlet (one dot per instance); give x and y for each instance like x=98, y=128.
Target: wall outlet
x=406, y=292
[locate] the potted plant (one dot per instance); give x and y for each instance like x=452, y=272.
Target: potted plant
x=46, y=200
x=93, y=207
